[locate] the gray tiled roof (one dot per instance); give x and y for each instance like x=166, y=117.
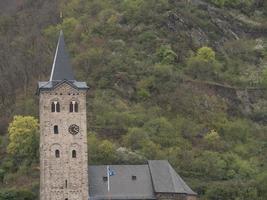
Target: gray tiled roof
x=166, y=180
x=121, y=185
x=52, y=84
x=156, y=177
x=61, y=66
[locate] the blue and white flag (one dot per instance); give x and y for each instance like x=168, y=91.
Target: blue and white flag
x=109, y=173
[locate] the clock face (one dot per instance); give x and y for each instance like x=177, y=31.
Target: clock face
x=74, y=129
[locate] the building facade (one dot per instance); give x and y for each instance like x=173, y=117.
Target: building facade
x=63, y=133
x=64, y=170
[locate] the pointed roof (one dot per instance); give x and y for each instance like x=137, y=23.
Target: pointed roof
x=61, y=69
x=166, y=180
x=157, y=176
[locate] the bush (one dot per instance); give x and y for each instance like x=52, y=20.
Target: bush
x=135, y=138
x=203, y=65
x=232, y=191
x=12, y=194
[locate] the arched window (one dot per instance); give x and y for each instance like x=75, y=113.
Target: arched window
x=74, y=106
x=58, y=107
x=56, y=129
x=71, y=107
x=74, y=154
x=55, y=106
x=57, y=153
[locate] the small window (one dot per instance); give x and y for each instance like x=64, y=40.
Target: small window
x=56, y=129
x=57, y=153
x=71, y=107
x=58, y=107
x=66, y=184
x=105, y=178
x=133, y=178
x=74, y=106
x=74, y=154
x=55, y=106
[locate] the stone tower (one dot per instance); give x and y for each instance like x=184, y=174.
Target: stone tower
x=63, y=132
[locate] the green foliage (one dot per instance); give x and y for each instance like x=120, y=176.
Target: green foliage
x=158, y=128
x=235, y=131
x=135, y=138
x=166, y=55
x=100, y=151
x=203, y=65
x=262, y=184
x=213, y=140
x=2, y=175
x=212, y=136
x=231, y=191
x=151, y=97
x=13, y=194
x=232, y=3
x=206, y=54
x=23, y=139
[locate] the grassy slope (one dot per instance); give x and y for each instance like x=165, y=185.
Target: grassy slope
x=115, y=49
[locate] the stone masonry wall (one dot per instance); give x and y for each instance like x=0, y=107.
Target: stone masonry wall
x=63, y=178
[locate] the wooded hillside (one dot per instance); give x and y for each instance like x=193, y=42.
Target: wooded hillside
x=182, y=80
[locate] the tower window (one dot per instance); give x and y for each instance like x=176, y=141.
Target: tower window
x=66, y=184
x=58, y=107
x=55, y=106
x=74, y=107
x=71, y=107
x=133, y=178
x=56, y=129
x=74, y=154
x=57, y=153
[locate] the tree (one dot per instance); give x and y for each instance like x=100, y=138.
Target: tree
x=213, y=140
x=2, y=175
x=17, y=195
x=100, y=151
x=206, y=54
x=135, y=138
x=23, y=139
x=162, y=132
x=166, y=55
x=203, y=65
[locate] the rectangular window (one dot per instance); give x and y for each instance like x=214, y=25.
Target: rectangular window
x=55, y=129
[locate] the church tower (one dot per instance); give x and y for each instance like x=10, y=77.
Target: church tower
x=63, y=132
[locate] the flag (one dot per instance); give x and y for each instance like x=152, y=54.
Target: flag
x=109, y=173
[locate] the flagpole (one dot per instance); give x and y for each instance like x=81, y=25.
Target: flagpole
x=108, y=182
x=108, y=177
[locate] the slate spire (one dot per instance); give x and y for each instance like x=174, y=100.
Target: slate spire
x=61, y=69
